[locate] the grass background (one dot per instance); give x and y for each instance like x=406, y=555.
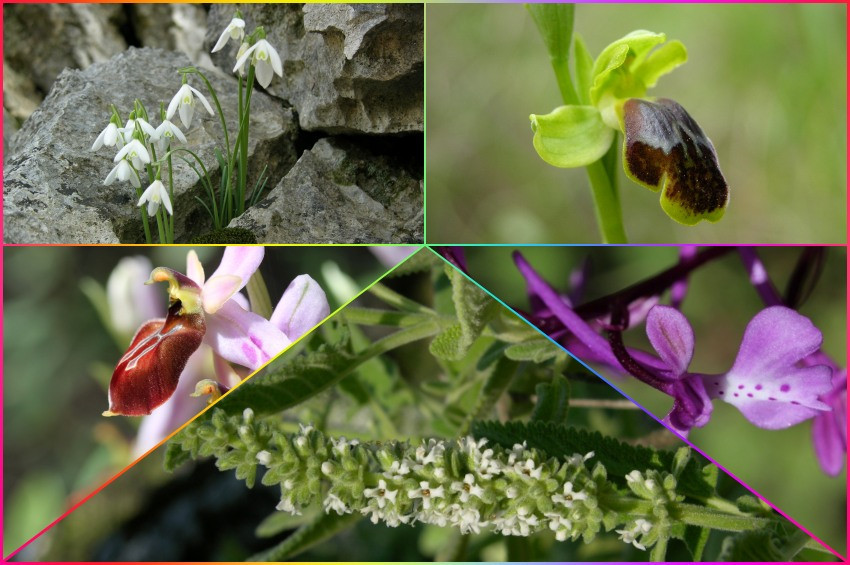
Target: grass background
x=767, y=83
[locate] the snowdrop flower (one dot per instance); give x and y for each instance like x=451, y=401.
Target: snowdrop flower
x=185, y=101
x=155, y=195
x=234, y=30
x=165, y=132
x=108, y=137
x=135, y=152
x=265, y=60
x=130, y=127
x=123, y=172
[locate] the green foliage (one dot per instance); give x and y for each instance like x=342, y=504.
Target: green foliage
x=474, y=309
x=323, y=527
x=553, y=401
x=420, y=262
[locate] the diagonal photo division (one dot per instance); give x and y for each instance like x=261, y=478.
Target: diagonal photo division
x=108, y=339
x=425, y=421
x=738, y=349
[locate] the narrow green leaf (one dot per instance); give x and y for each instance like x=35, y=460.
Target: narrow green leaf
x=323, y=528
x=571, y=136
x=695, y=540
x=258, y=295
x=474, y=309
x=553, y=401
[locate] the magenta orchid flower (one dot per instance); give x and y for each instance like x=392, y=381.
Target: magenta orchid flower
x=778, y=378
x=211, y=312
x=767, y=382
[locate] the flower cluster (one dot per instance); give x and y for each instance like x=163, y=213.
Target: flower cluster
x=466, y=483
x=137, y=141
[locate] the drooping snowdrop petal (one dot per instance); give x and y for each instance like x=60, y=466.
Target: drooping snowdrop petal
x=108, y=137
x=234, y=30
x=134, y=151
x=155, y=195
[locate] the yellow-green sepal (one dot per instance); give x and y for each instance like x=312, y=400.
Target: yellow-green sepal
x=571, y=136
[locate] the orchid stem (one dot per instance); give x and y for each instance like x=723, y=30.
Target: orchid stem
x=609, y=215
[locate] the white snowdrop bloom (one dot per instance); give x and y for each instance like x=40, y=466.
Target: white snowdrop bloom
x=130, y=127
x=108, y=137
x=165, y=132
x=234, y=30
x=135, y=152
x=333, y=502
x=264, y=457
x=381, y=494
x=155, y=195
x=185, y=101
x=426, y=493
x=569, y=496
x=467, y=488
x=123, y=172
x=242, y=48
x=265, y=59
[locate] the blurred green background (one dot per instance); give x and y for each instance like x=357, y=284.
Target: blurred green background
x=780, y=465
x=58, y=358
x=766, y=82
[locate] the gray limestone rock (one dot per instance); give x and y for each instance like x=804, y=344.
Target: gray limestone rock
x=339, y=192
x=173, y=27
x=53, y=182
x=348, y=68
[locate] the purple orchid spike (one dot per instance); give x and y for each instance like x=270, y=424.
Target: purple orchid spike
x=455, y=256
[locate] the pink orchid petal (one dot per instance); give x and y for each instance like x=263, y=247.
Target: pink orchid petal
x=766, y=384
x=243, y=337
x=194, y=268
x=302, y=306
x=238, y=261
x=241, y=301
x=218, y=290
x=672, y=337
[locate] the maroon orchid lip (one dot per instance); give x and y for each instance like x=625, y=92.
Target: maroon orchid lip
x=147, y=374
x=666, y=149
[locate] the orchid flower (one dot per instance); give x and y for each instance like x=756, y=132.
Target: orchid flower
x=184, y=100
x=155, y=195
x=234, y=30
x=265, y=59
x=213, y=313
x=664, y=150
x=773, y=382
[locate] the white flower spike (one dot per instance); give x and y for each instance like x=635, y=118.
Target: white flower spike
x=155, y=195
x=108, y=137
x=265, y=59
x=185, y=100
x=234, y=30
